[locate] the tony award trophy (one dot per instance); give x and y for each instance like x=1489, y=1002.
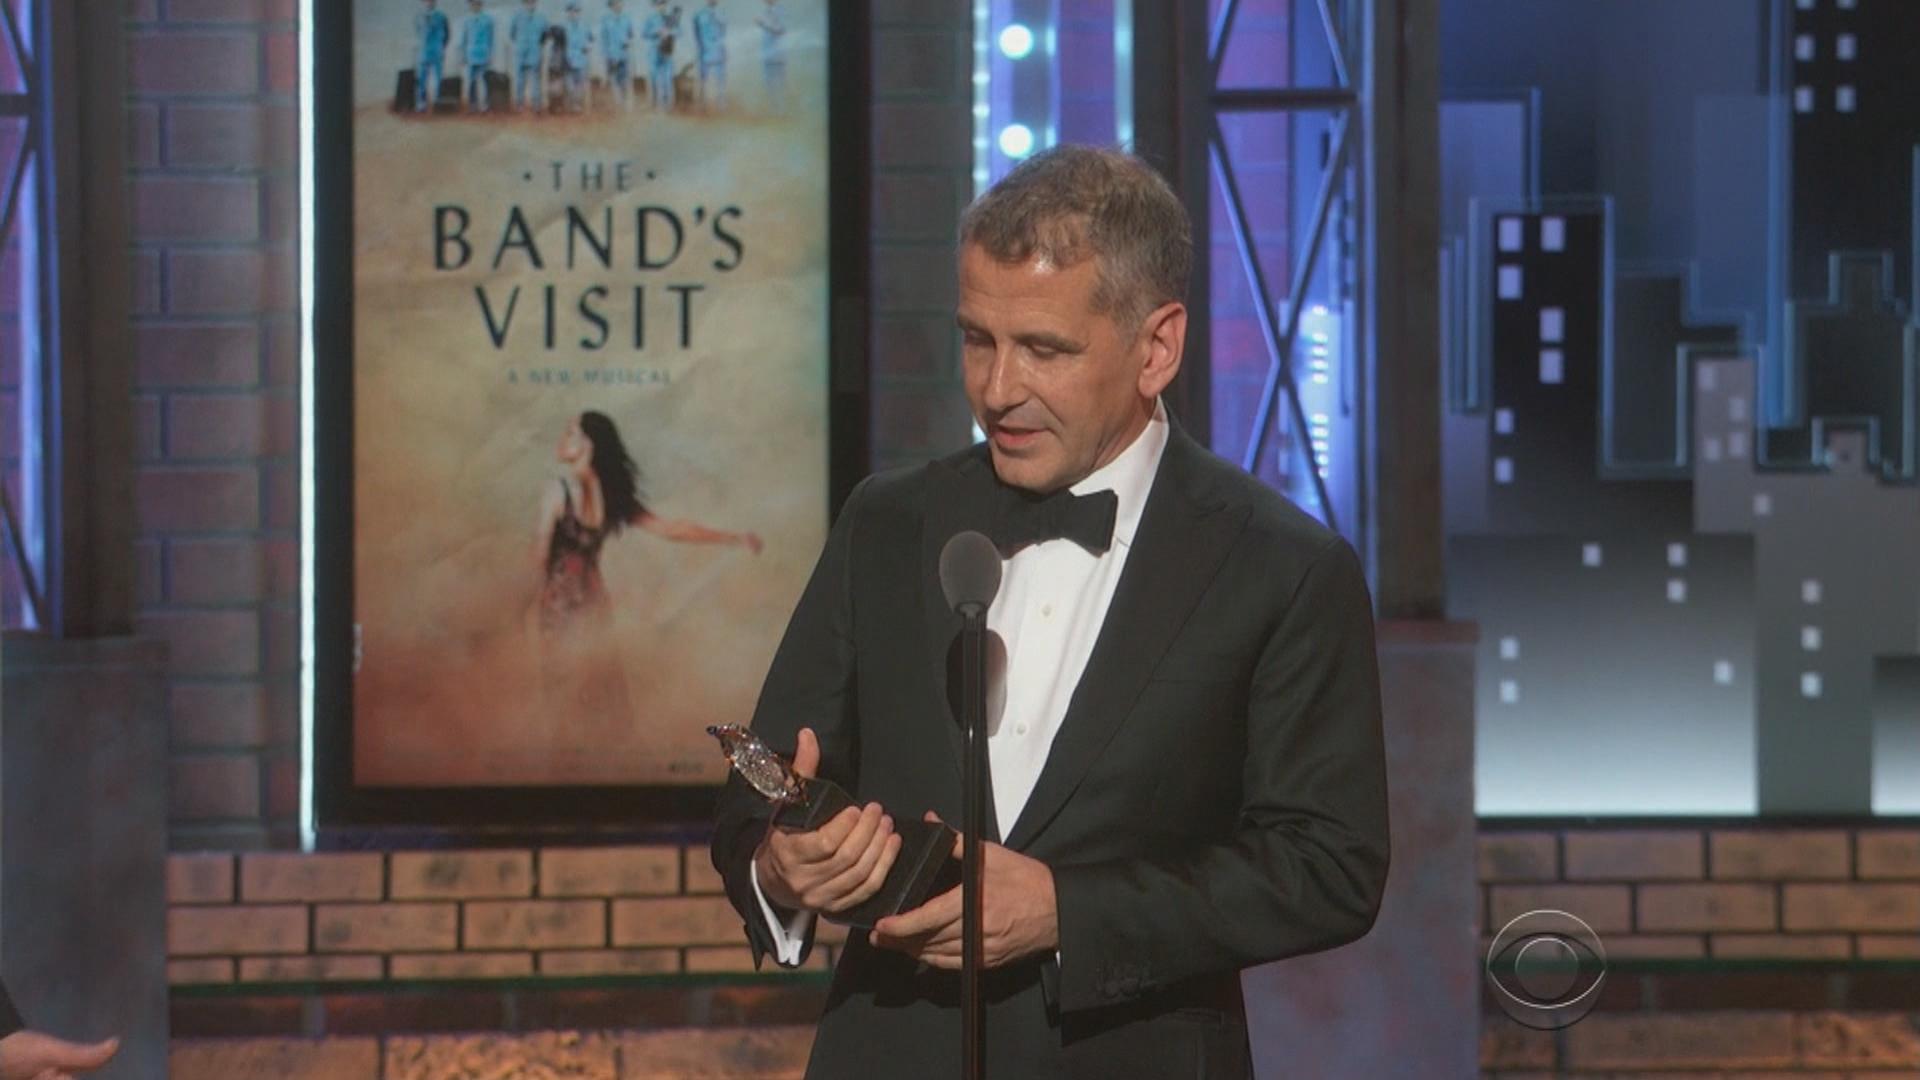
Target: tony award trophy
x=802, y=803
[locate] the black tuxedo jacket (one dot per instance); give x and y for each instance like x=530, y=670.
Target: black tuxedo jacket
x=10, y=1021
x=1215, y=797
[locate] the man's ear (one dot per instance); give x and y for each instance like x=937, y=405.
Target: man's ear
x=1164, y=337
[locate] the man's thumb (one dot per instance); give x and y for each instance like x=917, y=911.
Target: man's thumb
x=73, y=1056
x=806, y=755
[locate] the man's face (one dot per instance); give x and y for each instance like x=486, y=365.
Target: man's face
x=1058, y=388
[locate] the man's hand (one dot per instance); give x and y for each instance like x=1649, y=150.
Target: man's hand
x=30, y=1055
x=835, y=867
x=1019, y=914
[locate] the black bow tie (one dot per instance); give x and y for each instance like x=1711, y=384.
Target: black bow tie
x=1086, y=520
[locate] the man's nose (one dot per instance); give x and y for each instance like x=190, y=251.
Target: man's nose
x=1003, y=388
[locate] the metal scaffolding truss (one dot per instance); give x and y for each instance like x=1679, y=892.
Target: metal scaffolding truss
x=1280, y=325
x=20, y=115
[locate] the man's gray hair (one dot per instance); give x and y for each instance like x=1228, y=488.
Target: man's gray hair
x=1071, y=203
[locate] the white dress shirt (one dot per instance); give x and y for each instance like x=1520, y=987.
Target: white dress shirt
x=1052, y=602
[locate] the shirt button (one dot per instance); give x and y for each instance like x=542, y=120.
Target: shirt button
x=1020, y=729
x=1046, y=611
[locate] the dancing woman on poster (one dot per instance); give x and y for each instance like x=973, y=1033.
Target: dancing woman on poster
x=597, y=499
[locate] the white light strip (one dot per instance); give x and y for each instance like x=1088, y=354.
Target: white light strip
x=982, y=102
x=982, y=113
x=1123, y=73
x=308, y=230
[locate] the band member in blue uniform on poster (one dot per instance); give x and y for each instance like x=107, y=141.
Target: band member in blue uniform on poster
x=579, y=49
x=661, y=27
x=431, y=30
x=710, y=36
x=616, y=42
x=528, y=32
x=476, y=49
x=773, y=54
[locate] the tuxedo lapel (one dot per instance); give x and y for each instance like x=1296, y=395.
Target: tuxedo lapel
x=1184, y=534
x=959, y=497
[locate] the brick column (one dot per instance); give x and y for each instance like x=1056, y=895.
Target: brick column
x=1392, y=1004
x=83, y=900
x=213, y=161
x=922, y=178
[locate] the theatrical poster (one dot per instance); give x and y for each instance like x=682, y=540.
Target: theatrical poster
x=590, y=255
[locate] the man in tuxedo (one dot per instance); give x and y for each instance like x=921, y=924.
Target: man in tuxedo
x=30, y=1055
x=1187, y=770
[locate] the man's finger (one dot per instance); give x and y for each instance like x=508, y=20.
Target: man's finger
x=938, y=956
x=947, y=936
x=874, y=822
x=849, y=843
x=845, y=886
x=877, y=876
x=909, y=946
x=925, y=919
x=62, y=1055
x=820, y=844
x=806, y=754
x=831, y=876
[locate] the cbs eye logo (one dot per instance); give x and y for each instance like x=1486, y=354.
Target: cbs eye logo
x=1546, y=968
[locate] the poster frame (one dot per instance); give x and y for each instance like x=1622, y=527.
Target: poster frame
x=349, y=815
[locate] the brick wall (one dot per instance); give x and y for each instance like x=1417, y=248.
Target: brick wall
x=284, y=917
x=1735, y=952
x=762, y=1054
x=1757, y=1044
x=1721, y=893
x=1748, y=952
x=922, y=178
x=213, y=162
x=214, y=159
x=617, y=963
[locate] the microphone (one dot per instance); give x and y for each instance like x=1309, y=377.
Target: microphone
x=969, y=573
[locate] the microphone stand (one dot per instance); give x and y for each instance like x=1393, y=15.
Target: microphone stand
x=973, y=781
x=970, y=570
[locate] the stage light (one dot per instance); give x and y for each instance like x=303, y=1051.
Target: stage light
x=1016, y=42
x=1016, y=140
